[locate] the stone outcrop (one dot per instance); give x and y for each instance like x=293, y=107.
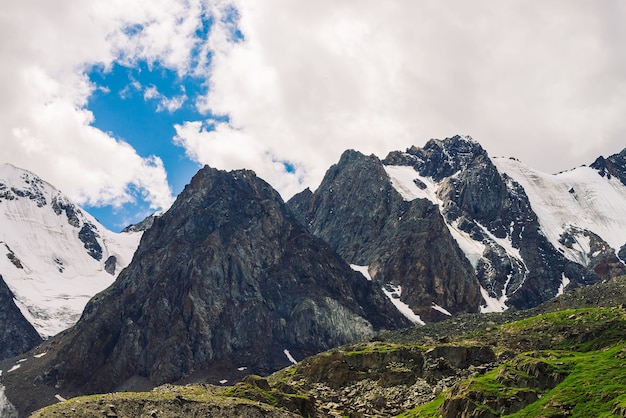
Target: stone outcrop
x=612, y=166
x=379, y=378
x=526, y=379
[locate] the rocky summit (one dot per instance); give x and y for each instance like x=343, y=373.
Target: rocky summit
x=403, y=243
x=225, y=283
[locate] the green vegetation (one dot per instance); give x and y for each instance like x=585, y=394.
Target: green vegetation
x=582, y=375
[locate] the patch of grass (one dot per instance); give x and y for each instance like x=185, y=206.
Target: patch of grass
x=429, y=410
x=595, y=387
x=381, y=347
x=248, y=391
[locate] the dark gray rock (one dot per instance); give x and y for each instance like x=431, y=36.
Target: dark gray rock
x=141, y=226
x=89, y=238
x=60, y=205
x=360, y=214
x=613, y=166
x=110, y=264
x=16, y=333
x=602, y=259
x=226, y=278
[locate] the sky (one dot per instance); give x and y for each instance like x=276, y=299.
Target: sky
x=119, y=102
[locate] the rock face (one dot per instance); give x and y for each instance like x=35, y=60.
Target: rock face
x=360, y=214
x=16, y=333
x=613, y=166
x=225, y=279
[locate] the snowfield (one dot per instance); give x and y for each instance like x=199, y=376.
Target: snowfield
x=579, y=197
x=43, y=260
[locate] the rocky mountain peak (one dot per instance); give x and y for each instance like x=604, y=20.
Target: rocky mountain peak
x=357, y=210
x=240, y=285
x=439, y=159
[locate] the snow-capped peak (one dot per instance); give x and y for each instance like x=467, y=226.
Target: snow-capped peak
x=56, y=255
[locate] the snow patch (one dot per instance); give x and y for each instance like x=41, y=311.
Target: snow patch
x=241, y=369
x=472, y=249
x=363, y=270
x=15, y=367
x=223, y=381
x=440, y=309
x=579, y=197
x=40, y=355
x=492, y=304
x=564, y=283
x=403, y=180
x=393, y=293
x=512, y=252
x=60, y=398
x=7, y=410
x=289, y=356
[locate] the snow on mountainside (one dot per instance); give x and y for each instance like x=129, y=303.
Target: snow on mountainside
x=54, y=256
x=576, y=200
x=411, y=185
x=528, y=235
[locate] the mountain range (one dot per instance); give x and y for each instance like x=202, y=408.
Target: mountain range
x=231, y=280
x=458, y=231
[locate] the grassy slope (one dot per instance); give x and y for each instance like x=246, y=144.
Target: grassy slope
x=587, y=357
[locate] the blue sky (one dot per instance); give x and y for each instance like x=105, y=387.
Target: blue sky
x=118, y=103
x=128, y=103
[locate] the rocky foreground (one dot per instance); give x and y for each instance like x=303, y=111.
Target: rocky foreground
x=564, y=358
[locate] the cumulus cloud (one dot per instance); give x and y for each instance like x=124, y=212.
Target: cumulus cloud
x=164, y=103
x=545, y=84
x=290, y=85
x=44, y=123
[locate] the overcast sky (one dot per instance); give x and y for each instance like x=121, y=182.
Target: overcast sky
x=118, y=102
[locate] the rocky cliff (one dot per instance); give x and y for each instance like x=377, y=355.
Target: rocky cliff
x=225, y=283
x=612, y=166
x=403, y=243
x=16, y=333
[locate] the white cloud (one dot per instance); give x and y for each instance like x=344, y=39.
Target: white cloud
x=311, y=79
x=44, y=125
x=164, y=103
x=228, y=148
x=546, y=84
